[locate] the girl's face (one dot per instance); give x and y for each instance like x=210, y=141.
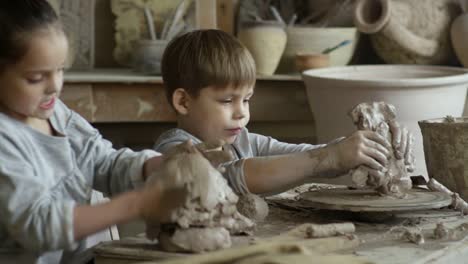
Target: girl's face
x=29, y=89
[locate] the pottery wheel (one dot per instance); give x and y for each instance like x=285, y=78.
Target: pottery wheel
x=371, y=201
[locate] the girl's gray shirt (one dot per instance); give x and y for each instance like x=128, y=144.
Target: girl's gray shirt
x=246, y=145
x=42, y=179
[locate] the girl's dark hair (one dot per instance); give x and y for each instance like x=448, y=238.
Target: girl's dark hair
x=17, y=19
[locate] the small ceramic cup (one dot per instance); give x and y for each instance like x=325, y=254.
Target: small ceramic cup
x=147, y=56
x=306, y=61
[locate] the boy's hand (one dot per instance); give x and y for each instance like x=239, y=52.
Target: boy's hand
x=402, y=140
x=361, y=148
x=213, y=152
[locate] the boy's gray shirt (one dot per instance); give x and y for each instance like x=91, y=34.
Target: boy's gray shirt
x=42, y=179
x=246, y=145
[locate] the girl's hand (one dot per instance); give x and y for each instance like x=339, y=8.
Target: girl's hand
x=402, y=141
x=158, y=201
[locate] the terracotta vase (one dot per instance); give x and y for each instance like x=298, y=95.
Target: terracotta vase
x=408, y=31
x=459, y=35
x=418, y=92
x=266, y=42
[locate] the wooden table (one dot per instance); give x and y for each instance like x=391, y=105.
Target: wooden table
x=378, y=243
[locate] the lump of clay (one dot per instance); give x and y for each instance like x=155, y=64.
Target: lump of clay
x=253, y=206
x=195, y=239
x=376, y=117
x=209, y=214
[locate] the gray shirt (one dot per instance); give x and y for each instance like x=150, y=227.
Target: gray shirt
x=42, y=179
x=246, y=145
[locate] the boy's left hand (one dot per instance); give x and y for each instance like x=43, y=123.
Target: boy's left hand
x=402, y=141
x=213, y=152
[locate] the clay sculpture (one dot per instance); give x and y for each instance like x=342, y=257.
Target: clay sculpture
x=209, y=214
x=376, y=117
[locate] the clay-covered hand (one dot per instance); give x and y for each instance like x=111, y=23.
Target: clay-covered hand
x=402, y=141
x=363, y=147
x=159, y=199
x=213, y=152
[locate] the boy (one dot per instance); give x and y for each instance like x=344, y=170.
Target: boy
x=209, y=78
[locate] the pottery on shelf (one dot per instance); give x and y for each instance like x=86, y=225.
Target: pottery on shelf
x=408, y=31
x=418, y=92
x=147, y=56
x=266, y=41
x=459, y=35
x=307, y=61
x=445, y=147
x=307, y=39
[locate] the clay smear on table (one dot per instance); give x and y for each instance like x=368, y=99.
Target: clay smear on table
x=209, y=214
x=376, y=116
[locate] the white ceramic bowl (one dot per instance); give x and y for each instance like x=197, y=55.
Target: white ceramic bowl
x=315, y=40
x=418, y=92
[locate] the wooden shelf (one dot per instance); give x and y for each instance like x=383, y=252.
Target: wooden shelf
x=124, y=75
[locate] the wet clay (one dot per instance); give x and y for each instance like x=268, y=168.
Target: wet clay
x=376, y=116
x=194, y=239
x=323, y=230
x=210, y=203
x=253, y=207
x=457, y=202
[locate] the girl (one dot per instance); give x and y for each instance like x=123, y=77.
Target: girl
x=51, y=158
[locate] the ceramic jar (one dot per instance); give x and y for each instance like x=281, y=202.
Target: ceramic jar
x=147, y=56
x=408, y=31
x=266, y=42
x=445, y=147
x=459, y=35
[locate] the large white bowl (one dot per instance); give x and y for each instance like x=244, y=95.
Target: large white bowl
x=418, y=92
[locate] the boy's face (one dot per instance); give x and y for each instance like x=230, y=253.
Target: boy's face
x=218, y=113
x=30, y=87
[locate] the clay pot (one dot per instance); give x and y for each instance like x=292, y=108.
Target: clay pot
x=305, y=39
x=306, y=61
x=417, y=92
x=408, y=31
x=459, y=35
x=266, y=42
x=445, y=147
x=147, y=56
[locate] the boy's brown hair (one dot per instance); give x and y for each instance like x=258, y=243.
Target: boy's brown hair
x=203, y=58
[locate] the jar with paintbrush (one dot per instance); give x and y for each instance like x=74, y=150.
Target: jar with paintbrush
x=148, y=53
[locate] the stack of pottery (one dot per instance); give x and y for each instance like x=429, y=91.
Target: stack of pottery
x=266, y=41
x=408, y=31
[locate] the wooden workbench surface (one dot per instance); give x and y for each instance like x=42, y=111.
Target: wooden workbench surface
x=378, y=243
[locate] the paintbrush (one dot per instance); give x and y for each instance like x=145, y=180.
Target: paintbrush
x=342, y=44
x=149, y=22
